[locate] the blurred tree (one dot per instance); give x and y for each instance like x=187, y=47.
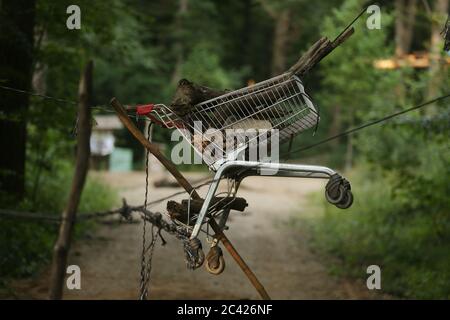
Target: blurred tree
x=437, y=62
x=401, y=218
x=245, y=31
x=405, y=15
x=59, y=54
x=357, y=99
x=16, y=55
x=178, y=48
x=281, y=15
x=293, y=24
x=405, y=12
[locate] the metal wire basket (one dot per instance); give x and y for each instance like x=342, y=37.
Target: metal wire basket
x=254, y=114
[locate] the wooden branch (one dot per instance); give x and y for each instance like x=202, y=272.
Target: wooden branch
x=238, y=204
x=245, y=268
x=62, y=246
x=307, y=55
x=317, y=52
x=307, y=61
x=180, y=212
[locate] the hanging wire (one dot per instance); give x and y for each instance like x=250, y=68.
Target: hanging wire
x=103, y=108
x=368, y=124
x=354, y=20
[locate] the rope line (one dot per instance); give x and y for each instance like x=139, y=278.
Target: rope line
x=125, y=210
x=104, y=107
x=353, y=22
x=368, y=124
x=38, y=95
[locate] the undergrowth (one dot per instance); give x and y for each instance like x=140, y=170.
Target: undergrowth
x=409, y=242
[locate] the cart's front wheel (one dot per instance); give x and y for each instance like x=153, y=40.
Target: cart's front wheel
x=335, y=194
x=347, y=200
x=200, y=258
x=338, y=192
x=215, y=263
x=194, y=254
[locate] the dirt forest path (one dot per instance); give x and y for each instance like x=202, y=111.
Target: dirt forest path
x=277, y=252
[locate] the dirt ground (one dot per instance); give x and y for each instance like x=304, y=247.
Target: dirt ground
x=277, y=252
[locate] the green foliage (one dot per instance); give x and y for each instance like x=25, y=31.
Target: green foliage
x=407, y=239
x=203, y=66
x=347, y=80
x=400, y=218
x=25, y=244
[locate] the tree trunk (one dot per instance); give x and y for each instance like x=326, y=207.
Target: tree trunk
x=280, y=42
x=245, y=56
x=16, y=57
x=404, y=25
x=182, y=10
x=436, y=73
x=39, y=83
x=405, y=12
x=336, y=124
x=282, y=23
x=349, y=153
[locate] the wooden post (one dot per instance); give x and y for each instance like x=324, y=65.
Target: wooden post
x=62, y=245
x=121, y=112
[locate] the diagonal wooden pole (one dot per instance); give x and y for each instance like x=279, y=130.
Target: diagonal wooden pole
x=123, y=116
x=245, y=268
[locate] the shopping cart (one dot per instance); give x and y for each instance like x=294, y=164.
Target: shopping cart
x=258, y=118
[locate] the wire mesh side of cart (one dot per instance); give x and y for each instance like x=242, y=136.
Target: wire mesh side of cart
x=222, y=127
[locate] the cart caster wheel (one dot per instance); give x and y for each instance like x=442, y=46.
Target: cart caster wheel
x=335, y=194
x=215, y=263
x=194, y=254
x=200, y=258
x=347, y=200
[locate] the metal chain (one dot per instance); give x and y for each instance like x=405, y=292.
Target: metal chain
x=147, y=252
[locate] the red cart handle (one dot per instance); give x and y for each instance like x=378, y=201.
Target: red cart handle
x=144, y=109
